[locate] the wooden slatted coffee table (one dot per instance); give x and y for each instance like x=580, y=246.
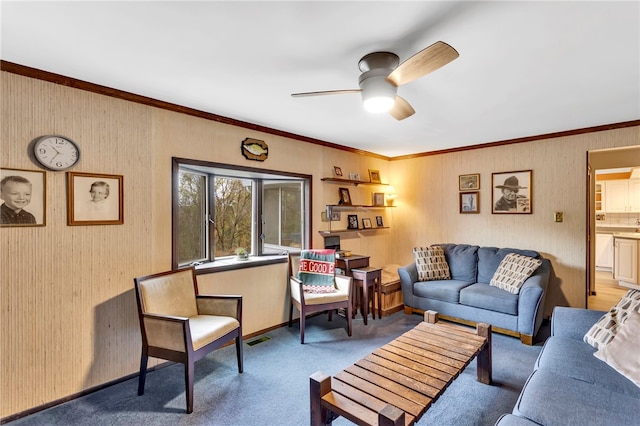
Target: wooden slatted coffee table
x=397, y=383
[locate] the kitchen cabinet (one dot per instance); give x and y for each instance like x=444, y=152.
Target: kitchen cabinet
x=604, y=251
x=622, y=196
x=600, y=192
x=626, y=262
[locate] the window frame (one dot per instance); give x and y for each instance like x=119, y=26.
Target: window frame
x=233, y=170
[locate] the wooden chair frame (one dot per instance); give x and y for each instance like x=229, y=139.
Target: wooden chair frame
x=189, y=356
x=306, y=309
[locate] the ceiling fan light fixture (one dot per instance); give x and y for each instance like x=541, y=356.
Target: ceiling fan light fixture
x=378, y=95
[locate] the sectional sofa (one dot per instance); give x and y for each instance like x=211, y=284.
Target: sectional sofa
x=467, y=296
x=569, y=385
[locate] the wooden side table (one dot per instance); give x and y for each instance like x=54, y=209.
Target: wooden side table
x=353, y=261
x=369, y=279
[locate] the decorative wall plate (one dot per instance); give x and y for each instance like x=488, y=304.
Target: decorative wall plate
x=254, y=149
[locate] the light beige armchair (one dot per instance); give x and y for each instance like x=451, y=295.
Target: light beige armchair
x=180, y=325
x=309, y=303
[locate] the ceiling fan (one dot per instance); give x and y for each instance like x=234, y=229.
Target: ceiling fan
x=381, y=76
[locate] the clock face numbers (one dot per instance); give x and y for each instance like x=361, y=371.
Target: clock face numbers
x=56, y=153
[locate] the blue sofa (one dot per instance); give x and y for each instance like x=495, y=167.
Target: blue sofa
x=468, y=298
x=570, y=386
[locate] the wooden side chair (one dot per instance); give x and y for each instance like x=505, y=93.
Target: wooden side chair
x=316, y=288
x=180, y=325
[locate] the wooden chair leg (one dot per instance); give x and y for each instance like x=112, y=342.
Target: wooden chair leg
x=143, y=373
x=188, y=377
x=301, y=328
x=239, y=353
x=349, y=318
x=290, y=314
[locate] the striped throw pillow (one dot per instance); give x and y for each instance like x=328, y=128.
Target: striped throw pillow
x=431, y=263
x=513, y=272
x=606, y=328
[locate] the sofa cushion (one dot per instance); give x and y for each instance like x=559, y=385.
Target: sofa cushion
x=487, y=297
x=623, y=352
x=431, y=263
x=489, y=259
x=553, y=399
x=606, y=328
x=445, y=290
x=462, y=260
x=513, y=272
x=574, y=358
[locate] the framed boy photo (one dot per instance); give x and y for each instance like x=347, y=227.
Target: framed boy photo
x=23, y=195
x=511, y=192
x=469, y=182
x=94, y=199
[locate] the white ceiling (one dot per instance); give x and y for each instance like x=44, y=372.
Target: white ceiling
x=525, y=68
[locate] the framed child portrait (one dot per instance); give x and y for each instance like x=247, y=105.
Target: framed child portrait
x=94, y=199
x=345, y=197
x=469, y=202
x=23, y=195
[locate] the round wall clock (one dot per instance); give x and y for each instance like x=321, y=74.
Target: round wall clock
x=56, y=152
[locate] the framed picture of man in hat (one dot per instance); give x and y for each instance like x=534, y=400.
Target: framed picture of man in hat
x=511, y=192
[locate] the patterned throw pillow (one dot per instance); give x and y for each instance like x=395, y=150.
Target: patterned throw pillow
x=317, y=271
x=514, y=271
x=606, y=328
x=622, y=352
x=431, y=263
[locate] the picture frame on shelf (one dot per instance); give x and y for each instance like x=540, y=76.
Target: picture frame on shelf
x=335, y=216
x=345, y=197
x=469, y=202
x=354, y=176
x=352, y=221
x=374, y=176
x=94, y=199
x=379, y=222
x=24, y=197
x=366, y=223
x=470, y=182
x=337, y=171
x=511, y=192
x=377, y=199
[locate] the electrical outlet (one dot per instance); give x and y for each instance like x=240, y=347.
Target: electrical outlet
x=558, y=216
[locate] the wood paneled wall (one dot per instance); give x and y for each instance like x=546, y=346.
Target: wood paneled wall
x=428, y=204
x=68, y=313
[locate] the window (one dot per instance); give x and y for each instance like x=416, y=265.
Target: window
x=218, y=208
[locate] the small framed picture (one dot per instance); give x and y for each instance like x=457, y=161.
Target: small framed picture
x=337, y=171
x=379, y=222
x=345, y=197
x=511, y=192
x=94, y=199
x=469, y=182
x=366, y=223
x=352, y=221
x=469, y=202
x=23, y=194
x=354, y=176
x=377, y=199
x=335, y=216
x=374, y=176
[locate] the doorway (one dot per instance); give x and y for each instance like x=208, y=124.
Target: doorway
x=614, y=166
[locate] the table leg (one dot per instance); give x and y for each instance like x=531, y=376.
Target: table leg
x=319, y=385
x=364, y=302
x=484, y=357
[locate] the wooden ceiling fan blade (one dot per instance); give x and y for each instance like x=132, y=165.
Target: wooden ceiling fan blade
x=401, y=109
x=326, y=92
x=422, y=63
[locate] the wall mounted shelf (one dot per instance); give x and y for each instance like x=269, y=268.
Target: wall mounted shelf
x=351, y=181
x=346, y=231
